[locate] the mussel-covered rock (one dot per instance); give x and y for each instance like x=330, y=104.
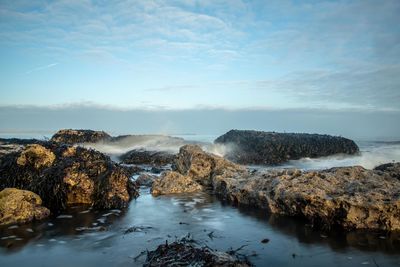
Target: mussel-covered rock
x=145, y=157
x=69, y=136
x=65, y=175
x=269, y=148
x=20, y=206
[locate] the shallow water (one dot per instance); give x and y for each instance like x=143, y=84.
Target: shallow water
x=88, y=238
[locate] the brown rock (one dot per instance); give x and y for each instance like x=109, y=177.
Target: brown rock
x=172, y=182
x=65, y=175
x=20, y=206
x=193, y=162
x=36, y=156
x=350, y=197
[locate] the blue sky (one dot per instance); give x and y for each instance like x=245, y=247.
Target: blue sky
x=333, y=55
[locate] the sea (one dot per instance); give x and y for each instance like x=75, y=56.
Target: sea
x=81, y=236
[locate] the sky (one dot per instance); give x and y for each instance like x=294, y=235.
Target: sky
x=231, y=55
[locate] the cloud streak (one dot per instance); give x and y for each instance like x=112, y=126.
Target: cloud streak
x=41, y=68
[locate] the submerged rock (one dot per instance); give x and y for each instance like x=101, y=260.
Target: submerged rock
x=65, y=175
x=20, y=206
x=69, y=136
x=153, y=158
x=269, y=148
x=182, y=253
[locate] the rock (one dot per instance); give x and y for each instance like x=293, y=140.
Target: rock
x=348, y=197
x=194, y=170
x=69, y=136
x=64, y=175
x=172, y=182
x=392, y=169
x=193, y=162
x=153, y=158
x=186, y=254
x=20, y=206
x=36, y=156
x=269, y=148
x=146, y=179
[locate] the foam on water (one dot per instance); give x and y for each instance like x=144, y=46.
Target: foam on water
x=371, y=155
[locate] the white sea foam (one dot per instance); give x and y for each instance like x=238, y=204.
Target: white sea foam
x=371, y=155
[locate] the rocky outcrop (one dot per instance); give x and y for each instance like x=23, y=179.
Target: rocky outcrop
x=20, y=206
x=172, y=182
x=64, y=175
x=269, y=148
x=349, y=197
x=69, y=136
x=194, y=170
x=145, y=157
x=184, y=253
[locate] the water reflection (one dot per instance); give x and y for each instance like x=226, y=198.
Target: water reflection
x=117, y=236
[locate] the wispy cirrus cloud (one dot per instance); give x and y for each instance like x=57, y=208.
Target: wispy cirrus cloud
x=41, y=68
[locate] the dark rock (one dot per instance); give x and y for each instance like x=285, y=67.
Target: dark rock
x=183, y=253
x=20, y=206
x=393, y=169
x=265, y=241
x=153, y=158
x=257, y=147
x=132, y=169
x=65, y=175
x=69, y=136
x=146, y=179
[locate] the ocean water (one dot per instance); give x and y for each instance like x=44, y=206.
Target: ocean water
x=82, y=237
